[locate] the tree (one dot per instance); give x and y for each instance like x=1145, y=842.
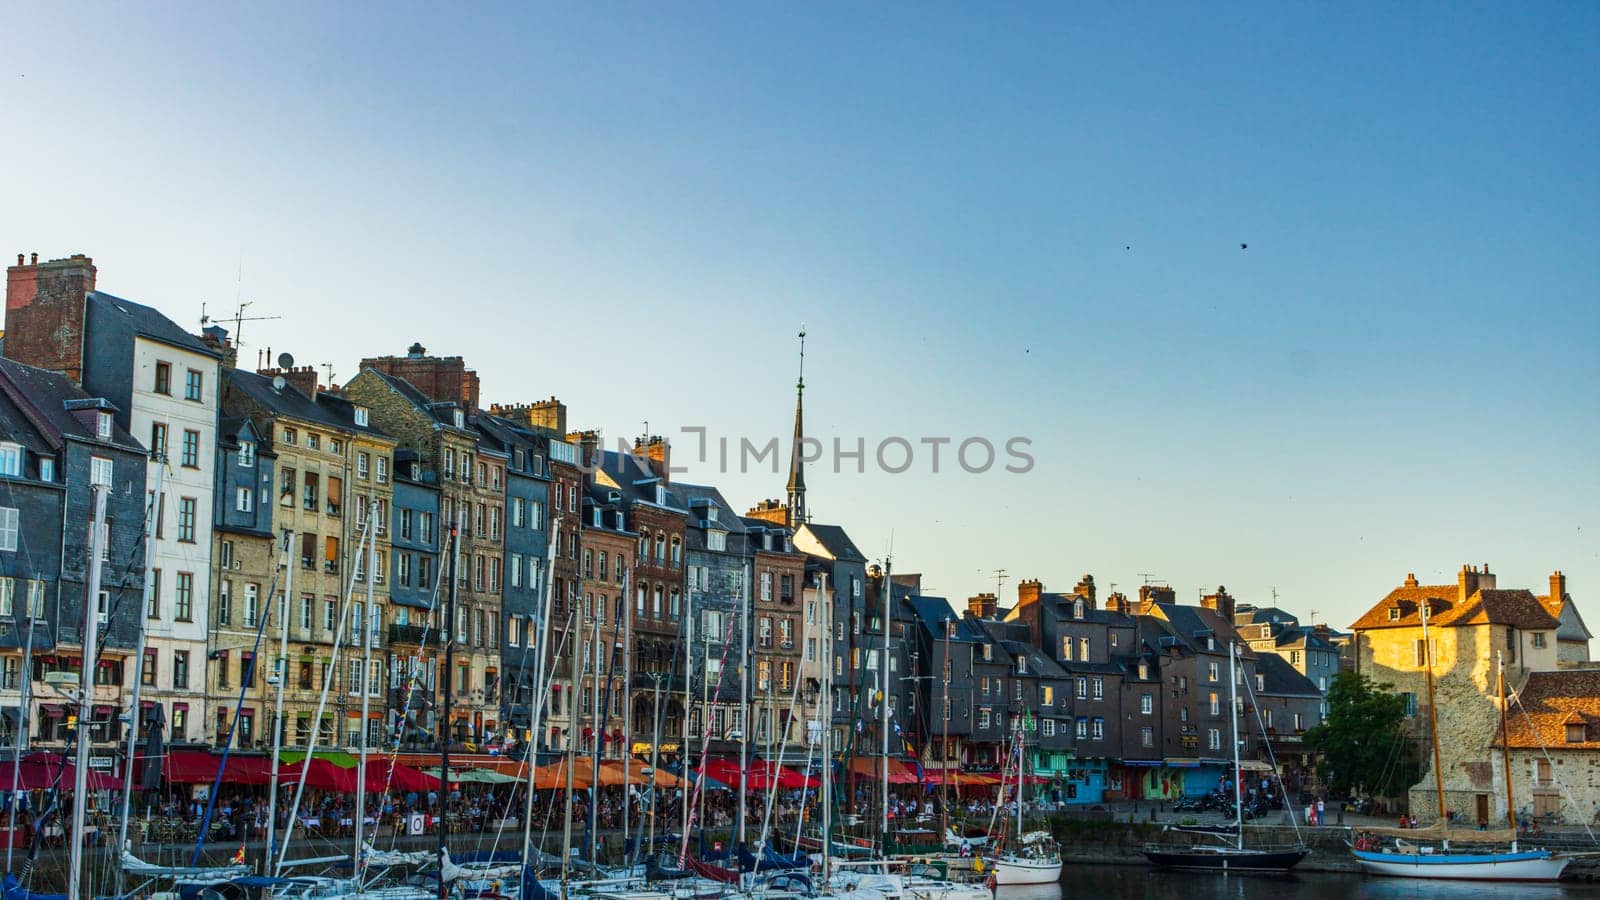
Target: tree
x=1364, y=742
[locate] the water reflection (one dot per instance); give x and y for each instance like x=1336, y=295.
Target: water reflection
x=1138, y=882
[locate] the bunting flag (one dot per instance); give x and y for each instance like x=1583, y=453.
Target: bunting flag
x=238, y=858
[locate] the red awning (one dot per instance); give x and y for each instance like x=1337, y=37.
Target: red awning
x=383, y=775
x=872, y=767
x=41, y=769
x=320, y=774
x=759, y=774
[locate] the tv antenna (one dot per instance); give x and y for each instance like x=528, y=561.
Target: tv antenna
x=1148, y=577
x=238, y=319
x=328, y=367
x=1000, y=579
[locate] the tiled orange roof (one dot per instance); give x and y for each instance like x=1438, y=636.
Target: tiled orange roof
x=1553, y=700
x=1517, y=608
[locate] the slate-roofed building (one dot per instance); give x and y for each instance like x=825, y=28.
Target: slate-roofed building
x=834, y=555
x=779, y=612
x=949, y=643
x=416, y=583
x=1472, y=626
x=1287, y=704
x=57, y=446
x=250, y=558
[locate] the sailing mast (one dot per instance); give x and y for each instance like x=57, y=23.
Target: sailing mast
x=1233, y=717
x=1505, y=738
x=540, y=695
x=1433, y=713
x=283, y=682
x=91, y=628
x=744, y=694
x=625, y=607
x=883, y=704
x=365, y=635
x=825, y=719
x=450, y=638
x=571, y=706
x=138, y=677
x=944, y=742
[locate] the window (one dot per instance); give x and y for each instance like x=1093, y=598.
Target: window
x=147, y=674
x=1211, y=672
x=1081, y=728
x=1048, y=726
x=1394, y=613
x=1147, y=736
x=184, y=608
x=191, y=449
x=1047, y=695
x=244, y=499
x=1066, y=647
x=192, y=384
x=1144, y=670
x=180, y=668
x=8, y=587
x=47, y=469
x=100, y=471
x=362, y=417
x=224, y=602
x=1422, y=651
x=363, y=466
x=1146, y=704
x=328, y=611
x=535, y=515
x=1537, y=640
x=1216, y=707
x=1098, y=729
x=1083, y=688
x=163, y=378
x=1083, y=649
x=313, y=441
x=152, y=608
x=983, y=718
x=1213, y=739
x=1099, y=687
x=1298, y=725
x=158, y=443
x=1411, y=703
x=247, y=454
x=186, y=520
x=252, y=605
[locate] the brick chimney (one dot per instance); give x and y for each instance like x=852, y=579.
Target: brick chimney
x=983, y=606
x=1221, y=602
x=588, y=444
x=1471, y=580
x=1085, y=589
x=769, y=510
x=1117, y=602
x=216, y=337
x=444, y=379
x=1028, y=609
x=1028, y=592
x=303, y=378
x=1411, y=579
x=45, y=305
x=1151, y=594
x=657, y=450
x=549, y=415
x=1558, y=587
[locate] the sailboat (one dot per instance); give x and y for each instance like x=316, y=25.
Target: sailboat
x=1408, y=856
x=1236, y=856
x=1036, y=859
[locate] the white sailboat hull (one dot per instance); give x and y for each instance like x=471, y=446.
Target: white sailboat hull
x=1528, y=865
x=1013, y=871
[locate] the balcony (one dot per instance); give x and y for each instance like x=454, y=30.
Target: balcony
x=407, y=634
x=330, y=566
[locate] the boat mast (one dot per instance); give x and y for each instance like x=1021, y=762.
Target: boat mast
x=450, y=638
x=568, y=759
x=138, y=676
x=744, y=694
x=944, y=742
x=1505, y=738
x=365, y=635
x=625, y=606
x=21, y=745
x=1233, y=717
x=883, y=702
x=91, y=628
x=591, y=661
x=283, y=680
x=825, y=719
x=1433, y=712
x=540, y=695
x=686, y=795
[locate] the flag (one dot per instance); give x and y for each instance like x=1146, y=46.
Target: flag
x=238, y=858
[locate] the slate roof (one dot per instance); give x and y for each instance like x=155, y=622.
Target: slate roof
x=1063, y=604
x=835, y=541
x=727, y=519
x=150, y=323
x=1190, y=624
x=1553, y=700
x=619, y=472
x=1517, y=608
x=1573, y=628
x=42, y=397
x=1257, y=615
x=1280, y=678
x=933, y=612
x=328, y=409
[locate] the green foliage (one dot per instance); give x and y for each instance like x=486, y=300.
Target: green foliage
x=1365, y=745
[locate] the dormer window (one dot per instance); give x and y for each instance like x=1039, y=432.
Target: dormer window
x=1261, y=682
x=247, y=454
x=102, y=426
x=460, y=419
x=1077, y=608
x=11, y=459
x=597, y=513
x=711, y=514
x=47, y=472
x=361, y=416
x=1577, y=732
x=1211, y=642
x=1394, y=613
x=949, y=628
x=661, y=495
x=1144, y=670
x=1022, y=665
x=988, y=653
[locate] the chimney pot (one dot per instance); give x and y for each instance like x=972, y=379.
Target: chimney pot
x=34, y=261
x=19, y=259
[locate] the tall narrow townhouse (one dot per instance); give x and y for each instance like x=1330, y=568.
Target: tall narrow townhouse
x=606, y=622
x=781, y=638
x=559, y=523
x=251, y=562
x=836, y=559
x=723, y=638
x=527, y=494
x=416, y=576
x=333, y=471
x=471, y=481
x=58, y=446
x=163, y=382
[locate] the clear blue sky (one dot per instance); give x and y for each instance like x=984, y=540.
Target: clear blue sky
x=992, y=220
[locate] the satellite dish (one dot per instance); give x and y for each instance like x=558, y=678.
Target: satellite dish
x=285, y=361
x=278, y=381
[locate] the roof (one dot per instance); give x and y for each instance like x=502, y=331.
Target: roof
x=441, y=412
x=834, y=540
x=328, y=409
x=727, y=519
x=1062, y=605
x=933, y=612
x=1573, y=628
x=621, y=472
x=41, y=397
x=1278, y=677
x=1256, y=615
x=1190, y=623
x=1517, y=608
x=149, y=322
x=1547, y=703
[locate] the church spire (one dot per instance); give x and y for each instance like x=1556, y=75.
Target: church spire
x=797, y=476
